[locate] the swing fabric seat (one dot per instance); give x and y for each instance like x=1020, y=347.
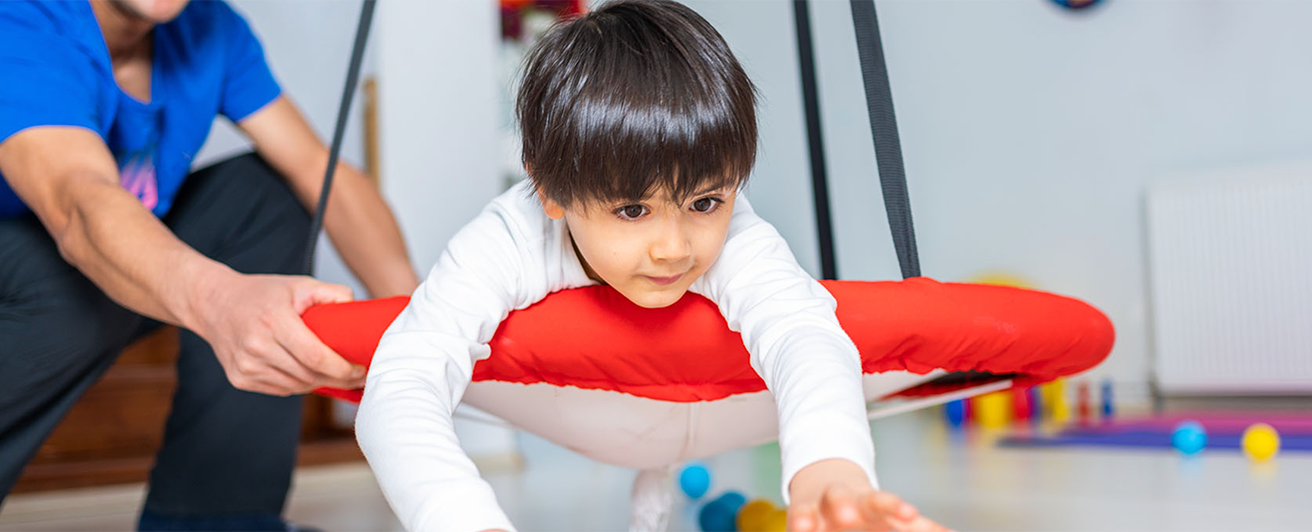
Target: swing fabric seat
x=645, y=388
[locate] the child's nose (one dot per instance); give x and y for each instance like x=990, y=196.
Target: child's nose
x=672, y=245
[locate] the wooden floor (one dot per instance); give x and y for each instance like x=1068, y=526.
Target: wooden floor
x=957, y=477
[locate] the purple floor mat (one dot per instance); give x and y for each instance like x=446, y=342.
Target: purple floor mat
x=1224, y=431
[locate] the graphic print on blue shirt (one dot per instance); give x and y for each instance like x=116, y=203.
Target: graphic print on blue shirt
x=134, y=139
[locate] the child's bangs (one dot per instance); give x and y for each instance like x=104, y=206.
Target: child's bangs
x=636, y=152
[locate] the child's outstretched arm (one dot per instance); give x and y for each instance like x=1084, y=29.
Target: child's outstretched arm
x=788, y=323
x=419, y=373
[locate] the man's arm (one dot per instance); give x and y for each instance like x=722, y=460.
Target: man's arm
x=67, y=176
x=358, y=221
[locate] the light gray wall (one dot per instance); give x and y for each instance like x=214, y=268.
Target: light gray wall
x=1029, y=132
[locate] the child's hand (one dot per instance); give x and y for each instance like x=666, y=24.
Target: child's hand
x=834, y=495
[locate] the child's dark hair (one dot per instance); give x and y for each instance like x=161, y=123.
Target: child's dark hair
x=637, y=96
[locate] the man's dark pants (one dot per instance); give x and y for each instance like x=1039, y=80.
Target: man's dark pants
x=226, y=453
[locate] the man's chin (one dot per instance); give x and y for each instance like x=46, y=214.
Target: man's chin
x=160, y=12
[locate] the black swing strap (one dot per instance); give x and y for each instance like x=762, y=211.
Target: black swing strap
x=343, y=112
x=815, y=140
x=883, y=126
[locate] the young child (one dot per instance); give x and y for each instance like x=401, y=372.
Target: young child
x=639, y=130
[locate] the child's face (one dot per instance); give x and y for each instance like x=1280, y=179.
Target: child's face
x=653, y=250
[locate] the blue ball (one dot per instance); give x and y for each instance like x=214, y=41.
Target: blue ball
x=695, y=480
x=720, y=515
x=1189, y=437
x=733, y=500
x=716, y=517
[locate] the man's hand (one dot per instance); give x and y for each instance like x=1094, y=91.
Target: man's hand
x=254, y=324
x=835, y=495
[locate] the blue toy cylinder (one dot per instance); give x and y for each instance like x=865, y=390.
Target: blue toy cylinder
x=956, y=412
x=1107, y=408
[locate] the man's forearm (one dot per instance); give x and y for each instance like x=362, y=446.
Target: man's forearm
x=131, y=256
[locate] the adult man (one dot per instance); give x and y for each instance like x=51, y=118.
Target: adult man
x=103, y=231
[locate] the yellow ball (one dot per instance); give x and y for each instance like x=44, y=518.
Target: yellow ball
x=1261, y=442
x=753, y=515
x=777, y=521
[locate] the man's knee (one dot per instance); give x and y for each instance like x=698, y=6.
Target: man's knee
x=52, y=315
x=64, y=323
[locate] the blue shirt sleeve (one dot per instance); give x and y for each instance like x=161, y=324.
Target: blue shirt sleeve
x=48, y=80
x=248, y=84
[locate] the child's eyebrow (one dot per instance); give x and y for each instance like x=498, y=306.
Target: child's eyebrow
x=713, y=188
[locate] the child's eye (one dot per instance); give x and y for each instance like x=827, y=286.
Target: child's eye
x=631, y=212
x=706, y=205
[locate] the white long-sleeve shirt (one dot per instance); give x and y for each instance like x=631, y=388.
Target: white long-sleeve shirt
x=511, y=256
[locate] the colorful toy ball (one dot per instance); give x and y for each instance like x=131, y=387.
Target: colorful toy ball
x=733, y=500
x=1261, y=442
x=752, y=516
x=720, y=515
x=1189, y=437
x=695, y=480
x=777, y=521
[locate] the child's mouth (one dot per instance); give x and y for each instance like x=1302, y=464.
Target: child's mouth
x=664, y=280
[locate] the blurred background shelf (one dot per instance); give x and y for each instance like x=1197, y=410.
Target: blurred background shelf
x=111, y=435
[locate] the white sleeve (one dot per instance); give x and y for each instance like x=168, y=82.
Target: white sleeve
x=419, y=373
x=788, y=324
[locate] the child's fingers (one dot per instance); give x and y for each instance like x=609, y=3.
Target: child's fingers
x=839, y=509
x=885, y=503
x=803, y=518
x=918, y=524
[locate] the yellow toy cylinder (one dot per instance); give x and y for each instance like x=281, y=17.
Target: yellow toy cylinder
x=992, y=410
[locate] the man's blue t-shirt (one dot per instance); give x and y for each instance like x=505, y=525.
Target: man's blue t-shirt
x=57, y=72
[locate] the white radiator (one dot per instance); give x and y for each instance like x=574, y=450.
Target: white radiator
x=1230, y=261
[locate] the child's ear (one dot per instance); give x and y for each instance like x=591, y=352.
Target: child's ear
x=549, y=206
